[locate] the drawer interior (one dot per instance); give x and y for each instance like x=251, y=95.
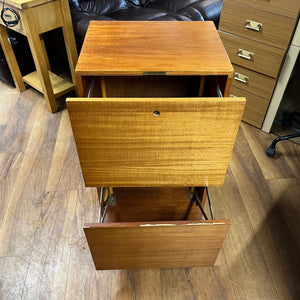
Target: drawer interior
x=154, y=86
x=152, y=205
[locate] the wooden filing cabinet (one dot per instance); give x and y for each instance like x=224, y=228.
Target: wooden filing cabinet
x=256, y=36
x=164, y=123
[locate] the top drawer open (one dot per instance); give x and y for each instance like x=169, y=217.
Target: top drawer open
x=136, y=142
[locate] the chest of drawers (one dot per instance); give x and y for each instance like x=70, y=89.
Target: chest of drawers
x=256, y=36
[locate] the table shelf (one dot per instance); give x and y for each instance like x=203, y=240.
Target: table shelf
x=59, y=84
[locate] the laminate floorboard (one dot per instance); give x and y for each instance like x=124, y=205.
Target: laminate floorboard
x=44, y=204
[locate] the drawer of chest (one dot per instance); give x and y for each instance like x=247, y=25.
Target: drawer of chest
x=256, y=107
x=258, y=25
x=253, y=55
x=280, y=7
x=11, y=15
x=253, y=82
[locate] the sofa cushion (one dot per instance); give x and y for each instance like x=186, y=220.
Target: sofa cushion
x=171, y=5
x=137, y=14
x=191, y=13
x=141, y=3
x=83, y=11
x=102, y=7
x=196, y=10
x=81, y=23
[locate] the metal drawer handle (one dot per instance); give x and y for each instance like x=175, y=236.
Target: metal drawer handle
x=253, y=25
x=245, y=54
x=240, y=77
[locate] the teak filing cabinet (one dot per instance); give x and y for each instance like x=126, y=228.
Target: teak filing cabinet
x=153, y=131
x=256, y=35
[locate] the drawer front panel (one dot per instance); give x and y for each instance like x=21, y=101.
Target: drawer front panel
x=280, y=7
x=155, y=244
x=267, y=28
x=262, y=58
x=255, y=83
x=19, y=27
x=256, y=107
x=155, y=228
x=154, y=141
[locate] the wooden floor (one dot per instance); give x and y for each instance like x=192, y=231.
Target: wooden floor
x=44, y=204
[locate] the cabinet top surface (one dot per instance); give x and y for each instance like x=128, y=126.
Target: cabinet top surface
x=23, y=4
x=136, y=47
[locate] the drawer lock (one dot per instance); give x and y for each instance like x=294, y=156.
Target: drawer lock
x=240, y=77
x=253, y=25
x=245, y=54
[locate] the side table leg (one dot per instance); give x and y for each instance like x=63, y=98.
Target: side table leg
x=40, y=58
x=69, y=38
x=11, y=60
x=41, y=64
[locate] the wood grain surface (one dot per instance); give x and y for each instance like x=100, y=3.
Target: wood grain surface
x=121, y=143
x=155, y=245
x=135, y=47
x=23, y=4
x=258, y=84
x=267, y=59
x=256, y=107
x=11, y=59
x=44, y=205
x=276, y=30
x=279, y=7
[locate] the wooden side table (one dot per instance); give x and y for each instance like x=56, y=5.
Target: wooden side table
x=161, y=126
x=36, y=18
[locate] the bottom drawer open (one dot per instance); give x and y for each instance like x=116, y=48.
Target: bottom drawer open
x=155, y=228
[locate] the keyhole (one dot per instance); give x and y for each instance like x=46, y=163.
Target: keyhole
x=156, y=113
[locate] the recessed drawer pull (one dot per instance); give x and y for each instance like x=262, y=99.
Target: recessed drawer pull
x=240, y=77
x=253, y=25
x=245, y=54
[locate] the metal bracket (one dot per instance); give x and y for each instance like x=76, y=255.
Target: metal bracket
x=219, y=93
x=91, y=88
x=245, y=54
x=111, y=201
x=253, y=25
x=195, y=199
x=240, y=77
x=154, y=73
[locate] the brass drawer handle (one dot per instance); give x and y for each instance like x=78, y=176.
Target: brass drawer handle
x=253, y=25
x=245, y=54
x=240, y=77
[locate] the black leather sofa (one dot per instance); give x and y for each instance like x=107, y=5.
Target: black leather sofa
x=83, y=11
